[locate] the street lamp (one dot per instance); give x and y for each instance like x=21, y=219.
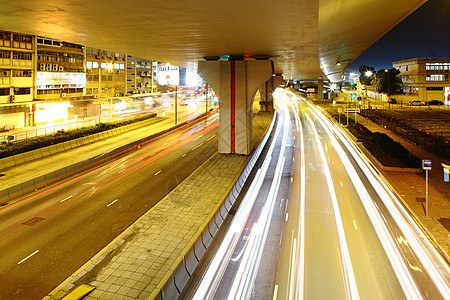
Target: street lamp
x=176, y=94
x=389, y=88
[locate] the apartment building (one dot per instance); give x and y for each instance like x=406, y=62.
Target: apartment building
x=429, y=78
x=59, y=70
x=139, y=75
x=105, y=73
x=17, y=54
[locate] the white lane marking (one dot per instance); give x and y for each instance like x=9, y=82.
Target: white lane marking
x=292, y=274
x=152, y=154
x=157, y=172
x=211, y=138
x=197, y=146
x=120, y=171
x=292, y=179
x=183, y=155
x=67, y=198
x=174, y=137
x=293, y=159
x=340, y=182
x=275, y=292
x=35, y=252
x=198, y=137
x=287, y=217
x=112, y=203
x=354, y=225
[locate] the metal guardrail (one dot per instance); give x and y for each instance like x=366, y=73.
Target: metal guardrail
x=172, y=284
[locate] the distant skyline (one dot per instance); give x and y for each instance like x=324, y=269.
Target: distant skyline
x=424, y=33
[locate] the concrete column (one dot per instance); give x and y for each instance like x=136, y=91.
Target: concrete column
x=235, y=83
x=266, y=92
x=320, y=88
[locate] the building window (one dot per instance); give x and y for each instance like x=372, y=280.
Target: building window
x=22, y=38
x=4, y=92
x=5, y=54
x=95, y=51
x=5, y=36
x=103, y=52
x=21, y=73
x=103, y=65
x=88, y=64
x=95, y=65
x=109, y=54
x=22, y=91
x=22, y=55
x=88, y=50
x=5, y=73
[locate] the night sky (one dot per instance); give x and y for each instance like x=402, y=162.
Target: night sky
x=424, y=33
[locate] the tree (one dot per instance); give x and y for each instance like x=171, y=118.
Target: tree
x=367, y=75
x=389, y=82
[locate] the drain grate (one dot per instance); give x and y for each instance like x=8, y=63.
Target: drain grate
x=33, y=221
x=445, y=222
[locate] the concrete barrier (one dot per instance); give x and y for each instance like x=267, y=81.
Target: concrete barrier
x=28, y=156
x=18, y=159
x=37, y=153
x=8, y=162
x=53, y=149
x=190, y=261
x=39, y=182
x=4, y=196
x=180, y=274
x=45, y=152
x=15, y=191
x=28, y=187
x=199, y=248
x=206, y=237
x=50, y=178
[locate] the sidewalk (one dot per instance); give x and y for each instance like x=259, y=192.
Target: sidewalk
x=411, y=187
x=132, y=265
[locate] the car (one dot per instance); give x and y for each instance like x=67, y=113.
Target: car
x=435, y=102
x=416, y=103
x=392, y=101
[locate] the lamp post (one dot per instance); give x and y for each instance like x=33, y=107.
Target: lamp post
x=389, y=88
x=176, y=93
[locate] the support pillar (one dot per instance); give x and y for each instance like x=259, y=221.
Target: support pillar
x=235, y=83
x=320, y=88
x=266, y=92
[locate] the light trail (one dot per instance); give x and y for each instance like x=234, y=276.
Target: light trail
x=216, y=269
x=435, y=265
x=352, y=289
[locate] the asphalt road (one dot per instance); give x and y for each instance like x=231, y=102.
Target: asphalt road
x=47, y=236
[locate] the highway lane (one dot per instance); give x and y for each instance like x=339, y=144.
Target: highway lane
x=247, y=255
x=349, y=237
x=45, y=237
x=346, y=233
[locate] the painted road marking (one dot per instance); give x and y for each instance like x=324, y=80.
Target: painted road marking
x=112, y=203
x=157, y=172
x=287, y=216
x=28, y=257
x=198, y=137
x=340, y=182
x=183, y=155
x=354, y=225
x=211, y=138
x=174, y=137
x=292, y=179
x=196, y=147
x=67, y=198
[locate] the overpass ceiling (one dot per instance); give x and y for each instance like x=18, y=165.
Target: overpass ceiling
x=305, y=38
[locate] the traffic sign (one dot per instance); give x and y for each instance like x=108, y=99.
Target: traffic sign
x=446, y=172
x=426, y=164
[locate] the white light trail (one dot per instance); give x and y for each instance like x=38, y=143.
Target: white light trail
x=426, y=253
x=34, y=253
x=352, y=289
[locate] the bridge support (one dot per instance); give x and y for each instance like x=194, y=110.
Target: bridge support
x=236, y=83
x=320, y=88
x=266, y=92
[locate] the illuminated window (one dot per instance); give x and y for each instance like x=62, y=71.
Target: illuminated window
x=88, y=64
x=95, y=65
x=103, y=65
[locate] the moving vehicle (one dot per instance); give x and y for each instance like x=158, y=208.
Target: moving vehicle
x=416, y=103
x=435, y=102
x=392, y=101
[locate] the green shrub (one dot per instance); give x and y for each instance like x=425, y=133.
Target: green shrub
x=13, y=148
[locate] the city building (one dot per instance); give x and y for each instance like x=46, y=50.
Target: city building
x=59, y=70
x=17, y=56
x=105, y=73
x=428, y=78
x=139, y=75
x=171, y=75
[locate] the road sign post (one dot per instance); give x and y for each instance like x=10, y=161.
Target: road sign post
x=446, y=172
x=426, y=165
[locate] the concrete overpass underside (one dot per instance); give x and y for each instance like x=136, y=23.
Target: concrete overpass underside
x=305, y=39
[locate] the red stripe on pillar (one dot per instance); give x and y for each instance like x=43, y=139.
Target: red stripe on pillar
x=233, y=106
